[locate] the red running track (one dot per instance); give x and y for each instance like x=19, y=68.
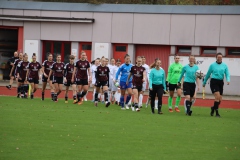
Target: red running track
x=200, y=102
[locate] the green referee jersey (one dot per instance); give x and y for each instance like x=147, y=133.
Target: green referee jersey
x=174, y=72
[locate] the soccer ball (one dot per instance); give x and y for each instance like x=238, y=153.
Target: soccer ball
x=199, y=74
x=116, y=84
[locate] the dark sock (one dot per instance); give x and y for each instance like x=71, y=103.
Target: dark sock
x=96, y=96
x=106, y=96
x=52, y=95
x=42, y=95
x=188, y=105
x=216, y=104
x=18, y=90
x=159, y=108
x=83, y=94
x=55, y=97
x=74, y=97
x=78, y=96
x=136, y=105
x=59, y=92
x=66, y=98
x=10, y=86
x=128, y=99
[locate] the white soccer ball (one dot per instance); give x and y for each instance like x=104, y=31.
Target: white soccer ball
x=199, y=74
x=116, y=84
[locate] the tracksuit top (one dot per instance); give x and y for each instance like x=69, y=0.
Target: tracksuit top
x=124, y=69
x=217, y=70
x=157, y=77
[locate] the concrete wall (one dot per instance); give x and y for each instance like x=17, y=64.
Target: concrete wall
x=134, y=28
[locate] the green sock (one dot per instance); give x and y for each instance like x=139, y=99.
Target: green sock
x=178, y=99
x=170, y=102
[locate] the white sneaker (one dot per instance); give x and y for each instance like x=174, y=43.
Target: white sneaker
x=127, y=107
x=138, y=109
x=85, y=99
x=133, y=109
x=122, y=108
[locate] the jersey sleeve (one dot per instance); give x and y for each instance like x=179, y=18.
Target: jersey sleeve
x=163, y=80
x=169, y=72
x=227, y=74
x=209, y=72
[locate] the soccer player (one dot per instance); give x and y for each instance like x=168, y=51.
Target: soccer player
x=46, y=67
x=174, y=72
x=189, y=84
x=145, y=82
x=118, y=92
x=33, y=74
x=217, y=70
x=68, y=71
x=112, y=88
x=21, y=76
x=57, y=70
x=138, y=73
x=11, y=74
x=102, y=80
x=94, y=66
x=81, y=71
x=157, y=85
x=124, y=70
x=14, y=72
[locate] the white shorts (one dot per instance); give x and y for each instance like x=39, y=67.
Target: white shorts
x=144, y=85
x=112, y=87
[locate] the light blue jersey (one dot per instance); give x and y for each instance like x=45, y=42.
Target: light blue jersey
x=189, y=72
x=217, y=71
x=124, y=70
x=157, y=77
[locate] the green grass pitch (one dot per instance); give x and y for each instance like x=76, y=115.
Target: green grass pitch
x=36, y=130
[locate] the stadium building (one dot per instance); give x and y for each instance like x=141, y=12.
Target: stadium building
x=112, y=30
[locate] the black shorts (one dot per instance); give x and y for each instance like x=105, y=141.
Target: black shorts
x=82, y=82
x=172, y=87
x=44, y=79
x=58, y=80
x=101, y=83
x=216, y=85
x=189, y=88
x=139, y=88
x=33, y=80
x=21, y=80
x=69, y=83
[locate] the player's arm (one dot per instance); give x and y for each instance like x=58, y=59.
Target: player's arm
x=227, y=74
x=207, y=75
x=197, y=81
x=150, y=79
x=40, y=71
x=73, y=74
x=129, y=76
x=163, y=80
x=144, y=76
x=118, y=72
x=181, y=76
x=108, y=76
x=90, y=74
x=97, y=75
x=12, y=70
x=169, y=73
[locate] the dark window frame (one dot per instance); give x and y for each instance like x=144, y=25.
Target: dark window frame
x=183, y=53
x=208, y=54
x=229, y=55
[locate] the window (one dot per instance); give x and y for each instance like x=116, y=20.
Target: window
x=121, y=48
x=87, y=47
x=209, y=50
x=56, y=47
x=233, y=51
x=184, y=50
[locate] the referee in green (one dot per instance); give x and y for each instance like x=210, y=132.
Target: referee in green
x=217, y=70
x=174, y=72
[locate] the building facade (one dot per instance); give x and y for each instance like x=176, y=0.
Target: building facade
x=113, y=30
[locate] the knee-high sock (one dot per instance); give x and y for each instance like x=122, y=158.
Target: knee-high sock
x=170, y=99
x=109, y=95
x=102, y=97
x=94, y=91
x=118, y=97
x=128, y=99
x=156, y=104
x=178, y=100
x=188, y=105
x=106, y=96
x=96, y=97
x=78, y=96
x=85, y=96
x=122, y=101
x=140, y=99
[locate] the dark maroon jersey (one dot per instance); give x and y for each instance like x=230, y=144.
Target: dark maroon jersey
x=68, y=71
x=22, y=69
x=15, y=65
x=82, y=66
x=137, y=73
x=47, y=66
x=33, y=69
x=58, y=69
x=102, y=73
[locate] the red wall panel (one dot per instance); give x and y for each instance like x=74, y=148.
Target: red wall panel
x=151, y=52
